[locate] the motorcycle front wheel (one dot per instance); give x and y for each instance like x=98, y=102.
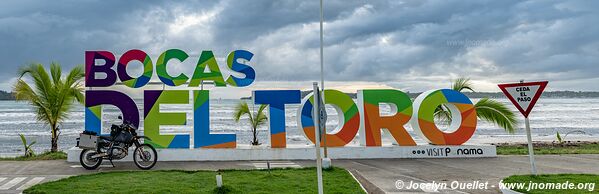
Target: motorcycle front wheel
x=86, y=160
x=145, y=156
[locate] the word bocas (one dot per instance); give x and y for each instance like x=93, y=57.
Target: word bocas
x=363, y=117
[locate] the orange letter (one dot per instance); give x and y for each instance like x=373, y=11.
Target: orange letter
x=373, y=122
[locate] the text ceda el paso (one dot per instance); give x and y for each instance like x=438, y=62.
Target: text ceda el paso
x=363, y=117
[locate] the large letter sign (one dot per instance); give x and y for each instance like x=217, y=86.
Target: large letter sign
x=207, y=60
x=249, y=73
x=161, y=67
x=94, y=99
x=276, y=101
x=201, y=116
x=463, y=117
x=349, y=118
x=103, y=69
x=91, y=69
x=373, y=122
x=135, y=55
x=153, y=118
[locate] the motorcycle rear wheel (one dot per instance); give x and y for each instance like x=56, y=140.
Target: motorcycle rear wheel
x=87, y=162
x=145, y=156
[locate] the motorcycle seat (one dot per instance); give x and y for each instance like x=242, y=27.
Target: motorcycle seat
x=107, y=138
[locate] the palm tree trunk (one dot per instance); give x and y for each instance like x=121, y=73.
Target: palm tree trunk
x=54, y=139
x=255, y=141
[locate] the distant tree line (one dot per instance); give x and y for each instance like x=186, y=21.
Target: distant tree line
x=6, y=95
x=553, y=94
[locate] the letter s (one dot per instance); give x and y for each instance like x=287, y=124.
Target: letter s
x=248, y=71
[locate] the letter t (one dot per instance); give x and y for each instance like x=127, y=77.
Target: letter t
x=276, y=99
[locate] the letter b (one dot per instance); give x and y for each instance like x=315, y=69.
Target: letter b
x=91, y=69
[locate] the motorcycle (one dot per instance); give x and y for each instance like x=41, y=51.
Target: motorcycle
x=115, y=147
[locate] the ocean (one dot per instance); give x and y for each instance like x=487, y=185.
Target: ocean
x=549, y=116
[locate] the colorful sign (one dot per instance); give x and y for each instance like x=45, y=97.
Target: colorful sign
x=362, y=118
x=524, y=95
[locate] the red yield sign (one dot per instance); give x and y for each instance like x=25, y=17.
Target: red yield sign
x=523, y=95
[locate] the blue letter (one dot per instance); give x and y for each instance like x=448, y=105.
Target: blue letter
x=276, y=99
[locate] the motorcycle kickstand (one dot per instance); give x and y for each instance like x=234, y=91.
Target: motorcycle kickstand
x=111, y=163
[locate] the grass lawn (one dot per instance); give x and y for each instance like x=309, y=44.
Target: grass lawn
x=575, y=179
x=43, y=156
x=549, y=149
x=336, y=180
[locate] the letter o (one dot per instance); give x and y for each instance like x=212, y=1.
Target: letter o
x=347, y=111
x=463, y=116
x=135, y=55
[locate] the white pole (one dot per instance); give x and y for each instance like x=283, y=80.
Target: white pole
x=321, y=49
x=531, y=153
x=322, y=72
x=316, y=118
x=219, y=180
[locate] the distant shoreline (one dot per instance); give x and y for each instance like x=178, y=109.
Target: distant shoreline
x=552, y=94
x=5, y=96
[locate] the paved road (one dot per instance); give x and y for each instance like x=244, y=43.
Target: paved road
x=377, y=175
x=385, y=172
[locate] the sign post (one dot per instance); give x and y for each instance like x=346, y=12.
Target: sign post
x=317, y=127
x=531, y=153
x=524, y=96
x=322, y=120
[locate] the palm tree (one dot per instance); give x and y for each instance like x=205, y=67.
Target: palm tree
x=486, y=109
x=29, y=152
x=51, y=95
x=256, y=118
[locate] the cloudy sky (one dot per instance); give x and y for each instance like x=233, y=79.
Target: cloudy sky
x=408, y=45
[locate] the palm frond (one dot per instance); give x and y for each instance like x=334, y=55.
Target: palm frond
x=77, y=93
x=75, y=75
x=23, y=91
x=56, y=73
x=261, y=109
x=42, y=82
x=443, y=114
x=497, y=113
x=240, y=110
x=23, y=140
x=260, y=117
x=559, y=137
x=461, y=84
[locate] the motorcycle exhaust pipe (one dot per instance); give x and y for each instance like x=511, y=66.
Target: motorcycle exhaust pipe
x=99, y=155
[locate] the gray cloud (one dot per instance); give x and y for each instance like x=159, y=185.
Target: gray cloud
x=412, y=45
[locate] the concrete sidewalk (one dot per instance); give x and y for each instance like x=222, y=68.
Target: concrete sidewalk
x=377, y=175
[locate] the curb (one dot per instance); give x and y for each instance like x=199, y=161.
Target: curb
x=366, y=185
x=506, y=190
